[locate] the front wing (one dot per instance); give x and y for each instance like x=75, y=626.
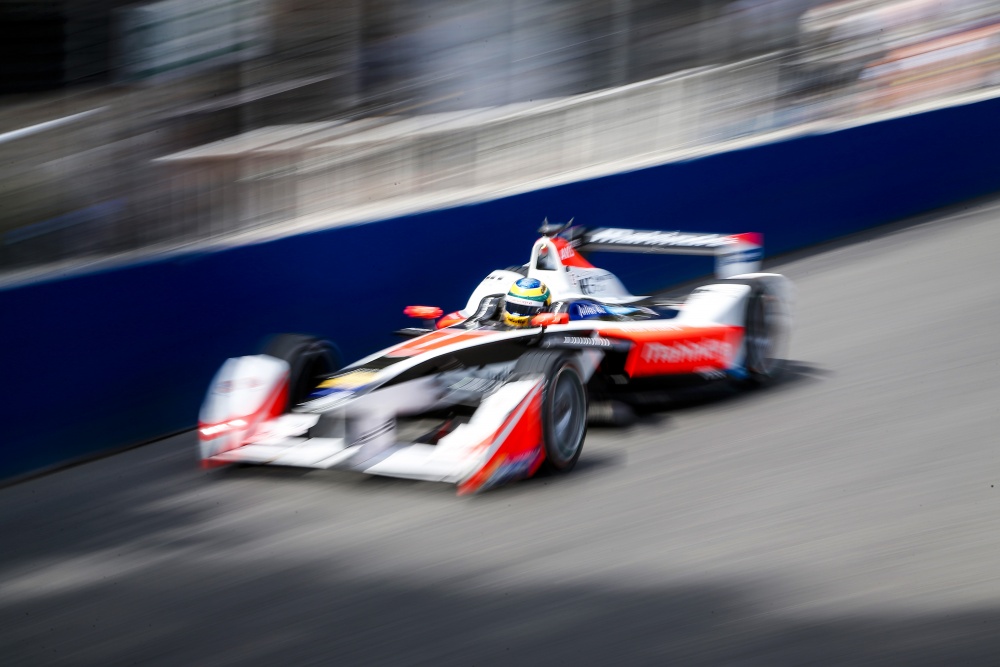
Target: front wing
x=502, y=442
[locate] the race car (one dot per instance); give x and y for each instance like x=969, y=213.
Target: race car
x=471, y=400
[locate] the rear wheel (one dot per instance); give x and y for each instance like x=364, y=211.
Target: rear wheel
x=564, y=405
x=308, y=358
x=765, y=337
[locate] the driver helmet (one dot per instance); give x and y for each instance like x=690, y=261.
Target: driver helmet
x=526, y=298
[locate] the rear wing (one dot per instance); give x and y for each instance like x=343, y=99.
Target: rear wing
x=734, y=254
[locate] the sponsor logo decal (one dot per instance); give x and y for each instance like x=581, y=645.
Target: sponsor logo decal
x=522, y=302
x=577, y=342
x=239, y=384
x=594, y=283
x=686, y=352
x=590, y=309
x=750, y=255
x=580, y=340
x=582, y=311
x=654, y=238
x=568, y=256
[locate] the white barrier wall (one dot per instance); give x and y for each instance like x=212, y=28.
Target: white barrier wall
x=327, y=170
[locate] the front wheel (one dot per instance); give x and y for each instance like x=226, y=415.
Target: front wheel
x=564, y=405
x=309, y=359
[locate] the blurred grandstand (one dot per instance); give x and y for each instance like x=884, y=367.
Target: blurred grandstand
x=129, y=126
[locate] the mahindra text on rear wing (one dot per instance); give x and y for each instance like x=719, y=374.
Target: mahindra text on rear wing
x=734, y=254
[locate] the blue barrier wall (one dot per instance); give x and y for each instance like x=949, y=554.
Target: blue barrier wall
x=109, y=359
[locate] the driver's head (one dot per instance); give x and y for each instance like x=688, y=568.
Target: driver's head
x=526, y=298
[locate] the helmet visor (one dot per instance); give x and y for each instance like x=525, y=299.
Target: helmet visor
x=523, y=307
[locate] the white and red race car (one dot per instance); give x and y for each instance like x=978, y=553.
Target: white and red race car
x=470, y=401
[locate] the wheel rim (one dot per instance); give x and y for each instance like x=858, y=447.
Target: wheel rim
x=568, y=409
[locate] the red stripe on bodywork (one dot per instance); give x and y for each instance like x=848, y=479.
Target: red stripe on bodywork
x=435, y=340
x=678, y=350
x=519, y=455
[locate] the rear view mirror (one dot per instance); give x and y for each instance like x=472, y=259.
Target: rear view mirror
x=547, y=319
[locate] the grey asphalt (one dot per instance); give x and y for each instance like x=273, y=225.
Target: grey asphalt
x=848, y=515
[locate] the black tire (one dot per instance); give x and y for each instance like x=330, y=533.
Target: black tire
x=564, y=405
x=308, y=359
x=764, y=337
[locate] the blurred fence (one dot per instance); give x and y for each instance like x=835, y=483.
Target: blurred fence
x=62, y=165
x=65, y=156
x=115, y=181
x=330, y=169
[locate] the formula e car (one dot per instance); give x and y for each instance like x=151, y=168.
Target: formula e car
x=472, y=402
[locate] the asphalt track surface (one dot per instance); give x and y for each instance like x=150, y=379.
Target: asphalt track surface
x=848, y=515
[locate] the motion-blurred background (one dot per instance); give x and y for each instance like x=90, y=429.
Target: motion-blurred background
x=130, y=127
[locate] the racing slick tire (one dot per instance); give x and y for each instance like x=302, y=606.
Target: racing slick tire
x=564, y=405
x=765, y=336
x=308, y=359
